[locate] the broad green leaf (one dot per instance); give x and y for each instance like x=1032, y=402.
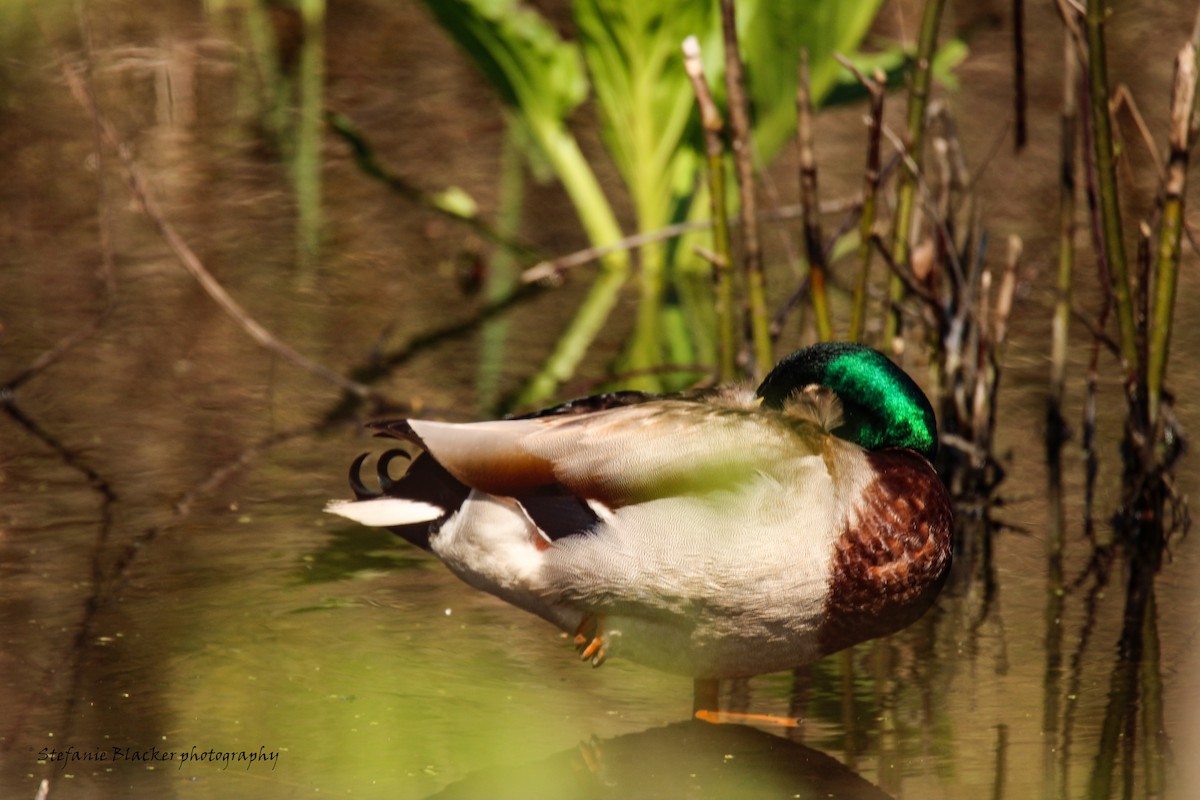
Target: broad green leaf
x=519, y=53
x=772, y=35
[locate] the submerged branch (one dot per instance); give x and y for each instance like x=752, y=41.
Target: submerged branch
x=368, y=162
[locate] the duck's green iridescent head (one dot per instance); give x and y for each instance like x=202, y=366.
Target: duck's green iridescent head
x=881, y=405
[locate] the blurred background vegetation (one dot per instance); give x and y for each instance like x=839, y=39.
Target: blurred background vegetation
x=464, y=208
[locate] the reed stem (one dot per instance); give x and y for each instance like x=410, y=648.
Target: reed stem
x=1055, y=428
x=866, y=220
x=918, y=100
x=714, y=152
x=739, y=119
x=306, y=158
x=1183, y=101
x=813, y=247
x=1106, y=182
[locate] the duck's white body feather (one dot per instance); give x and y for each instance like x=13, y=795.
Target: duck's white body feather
x=704, y=542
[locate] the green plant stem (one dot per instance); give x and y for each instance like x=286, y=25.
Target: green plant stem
x=1154, y=744
x=918, y=100
x=1106, y=179
x=1170, y=228
x=739, y=119
x=714, y=151
x=272, y=87
x=601, y=225
x=306, y=159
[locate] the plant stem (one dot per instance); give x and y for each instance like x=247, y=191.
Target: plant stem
x=601, y=225
x=918, y=99
x=1170, y=229
x=813, y=246
x=866, y=220
x=714, y=151
x=306, y=159
x=1020, y=94
x=1066, y=256
x=1106, y=179
x=739, y=119
x=1154, y=741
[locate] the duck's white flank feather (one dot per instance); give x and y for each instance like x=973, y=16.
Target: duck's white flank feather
x=383, y=512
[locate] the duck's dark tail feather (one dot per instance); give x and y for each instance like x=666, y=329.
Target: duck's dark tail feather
x=425, y=496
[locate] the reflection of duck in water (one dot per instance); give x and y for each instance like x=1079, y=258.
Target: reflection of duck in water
x=715, y=533
x=687, y=759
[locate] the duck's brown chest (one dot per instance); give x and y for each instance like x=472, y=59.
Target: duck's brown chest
x=893, y=556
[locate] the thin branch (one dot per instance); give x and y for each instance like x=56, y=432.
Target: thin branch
x=368, y=162
x=905, y=275
x=1123, y=98
x=552, y=269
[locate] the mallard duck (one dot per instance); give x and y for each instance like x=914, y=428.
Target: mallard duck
x=715, y=533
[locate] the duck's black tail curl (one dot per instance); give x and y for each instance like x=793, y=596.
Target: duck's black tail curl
x=426, y=481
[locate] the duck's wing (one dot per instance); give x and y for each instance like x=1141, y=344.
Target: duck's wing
x=624, y=454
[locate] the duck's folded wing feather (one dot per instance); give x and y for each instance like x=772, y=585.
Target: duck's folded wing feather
x=622, y=455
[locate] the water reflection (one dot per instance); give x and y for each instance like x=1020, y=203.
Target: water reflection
x=686, y=759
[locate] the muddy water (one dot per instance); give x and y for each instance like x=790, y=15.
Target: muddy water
x=179, y=619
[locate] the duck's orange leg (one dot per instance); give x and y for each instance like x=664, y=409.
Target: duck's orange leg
x=589, y=639
x=706, y=708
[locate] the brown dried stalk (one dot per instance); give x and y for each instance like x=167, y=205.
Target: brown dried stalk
x=813, y=247
x=739, y=119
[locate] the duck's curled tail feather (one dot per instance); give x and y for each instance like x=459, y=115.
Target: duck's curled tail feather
x=409, y=506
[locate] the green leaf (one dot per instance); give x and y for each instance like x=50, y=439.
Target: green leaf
x=772, y=35
x=518, y=52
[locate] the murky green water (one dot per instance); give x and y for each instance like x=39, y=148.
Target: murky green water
x=206, y=607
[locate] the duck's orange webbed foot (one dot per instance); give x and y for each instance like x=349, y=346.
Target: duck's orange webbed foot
x=705, y=707
x=589, y=639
